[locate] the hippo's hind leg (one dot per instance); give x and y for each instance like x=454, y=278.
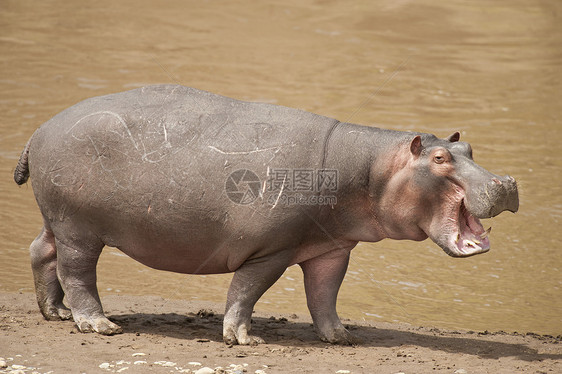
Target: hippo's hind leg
x=77, y=256
x=47, y=286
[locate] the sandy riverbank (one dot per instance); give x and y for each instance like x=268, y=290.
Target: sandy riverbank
x=171, y=336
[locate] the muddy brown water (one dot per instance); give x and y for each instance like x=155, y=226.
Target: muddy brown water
x=491, y=70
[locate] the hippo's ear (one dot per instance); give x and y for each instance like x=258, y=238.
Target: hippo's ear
x=454, y=137
x=416, y=146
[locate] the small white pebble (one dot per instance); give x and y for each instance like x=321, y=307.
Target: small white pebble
x=194, y=363
x=104, y=365
x=343, y=372
x=259, y=371
x=17, y=371
x=139, y=362
x=139, y=354
x=123, y=369
x=205, y=370
x=460, y=371
x=165, y=363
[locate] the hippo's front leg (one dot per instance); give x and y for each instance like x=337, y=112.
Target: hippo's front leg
x=250, y=281
x=323, y=276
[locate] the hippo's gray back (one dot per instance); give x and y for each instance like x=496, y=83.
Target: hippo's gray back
x=147, y=167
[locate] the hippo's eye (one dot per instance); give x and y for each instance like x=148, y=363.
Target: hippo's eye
x=439, y=159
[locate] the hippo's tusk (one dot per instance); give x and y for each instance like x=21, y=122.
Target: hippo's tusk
x=485, y=233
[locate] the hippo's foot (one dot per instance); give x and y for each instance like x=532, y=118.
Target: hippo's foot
x=56, y=312
x=48, y=289
x=233, y=336
x=100, y=325
x=339, y=335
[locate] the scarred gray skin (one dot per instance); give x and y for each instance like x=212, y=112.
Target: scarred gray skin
x=144, y=171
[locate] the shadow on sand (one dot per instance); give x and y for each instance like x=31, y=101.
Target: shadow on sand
x=208, y=326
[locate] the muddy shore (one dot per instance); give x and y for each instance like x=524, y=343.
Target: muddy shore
x=171, y=336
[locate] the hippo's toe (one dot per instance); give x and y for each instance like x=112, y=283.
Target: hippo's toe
x=340, y=336
x=100, y=325
x=57, y=312
x=240, y=336
x=64, y=313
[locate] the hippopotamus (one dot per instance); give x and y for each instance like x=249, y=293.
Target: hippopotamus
x=192, y=182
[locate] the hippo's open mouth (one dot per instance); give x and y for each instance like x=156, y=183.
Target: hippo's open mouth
x=469, y=238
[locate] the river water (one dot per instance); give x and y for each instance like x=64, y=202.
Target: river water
x=491, y=70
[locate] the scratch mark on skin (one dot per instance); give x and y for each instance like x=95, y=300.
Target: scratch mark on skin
x=146, y=159
x=54, y=182
x=116, y=115
x=99, y=161
x=140, y=107
x=280, y=193
x=245, y=152
x=265, y=183
x=165, y=134
x=98, y=156
x=274, y=155
x=54, y=168
x=95, y=125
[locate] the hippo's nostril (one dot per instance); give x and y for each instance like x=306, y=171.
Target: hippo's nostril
x=496, y=181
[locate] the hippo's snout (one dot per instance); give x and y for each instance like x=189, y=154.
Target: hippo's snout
x=495, y=196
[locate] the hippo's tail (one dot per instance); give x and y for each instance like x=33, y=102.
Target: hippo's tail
x=21, y=174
